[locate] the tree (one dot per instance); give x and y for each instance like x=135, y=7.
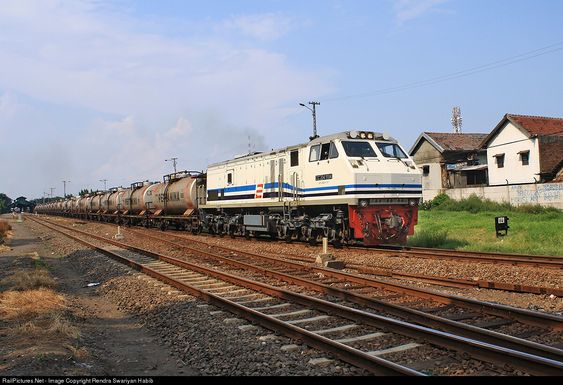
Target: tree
x=5, y=203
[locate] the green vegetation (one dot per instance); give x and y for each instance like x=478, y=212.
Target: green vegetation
x=5, y=203
x=469, y=224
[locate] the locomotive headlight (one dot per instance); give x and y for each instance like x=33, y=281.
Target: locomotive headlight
x=370, y=135
x=362, y=135
x=363, y=203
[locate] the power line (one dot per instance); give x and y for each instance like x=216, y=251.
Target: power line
x=454, y=75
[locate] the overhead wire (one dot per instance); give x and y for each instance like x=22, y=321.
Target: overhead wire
x=454, y=75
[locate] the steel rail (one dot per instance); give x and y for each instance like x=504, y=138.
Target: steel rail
x=422, y=318
x=463, y=255
x=348, y=354
x=522, y=315
x=481, y=350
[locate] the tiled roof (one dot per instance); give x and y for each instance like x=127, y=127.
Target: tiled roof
x=457, y=142
x=550, y=134
x=538, y=125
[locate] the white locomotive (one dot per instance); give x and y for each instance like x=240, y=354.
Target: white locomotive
x=348, y=187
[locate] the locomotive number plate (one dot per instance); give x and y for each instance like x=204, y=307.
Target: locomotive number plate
x=323, y=177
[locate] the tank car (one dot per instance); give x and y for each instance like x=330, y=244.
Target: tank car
x=173, y=202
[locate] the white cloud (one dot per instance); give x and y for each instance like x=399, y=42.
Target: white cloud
x=9, y=105
x=406, y=10
x=182, y=128
x=268, y=26
x=138, y=96
x=125, y=126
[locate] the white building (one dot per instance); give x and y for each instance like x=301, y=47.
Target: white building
x=524, y=149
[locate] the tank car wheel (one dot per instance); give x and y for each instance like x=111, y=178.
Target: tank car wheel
x=163, y=225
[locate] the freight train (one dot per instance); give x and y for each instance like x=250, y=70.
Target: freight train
x=354, y=186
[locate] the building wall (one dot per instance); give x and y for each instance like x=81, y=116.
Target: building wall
x=545, y=194
x=510, y=140
x=427, y=155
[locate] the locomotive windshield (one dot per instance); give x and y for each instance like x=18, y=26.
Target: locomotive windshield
x=358, y=149
x=391, y=150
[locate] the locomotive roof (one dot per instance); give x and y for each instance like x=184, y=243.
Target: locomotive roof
x=319, y=140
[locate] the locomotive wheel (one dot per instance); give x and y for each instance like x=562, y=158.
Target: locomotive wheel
x=337, y=243
x=289, y=236
x=247, y=235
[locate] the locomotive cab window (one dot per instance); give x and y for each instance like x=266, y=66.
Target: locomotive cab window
x=391, y=150
x=358, y=149
x=325, y=150
x=333, y=152
x=294, y=158
x=315, y=152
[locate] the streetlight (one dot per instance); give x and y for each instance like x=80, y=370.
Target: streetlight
x=105, y=186
x=64, y=187
x=173, y=160
x=314, y=111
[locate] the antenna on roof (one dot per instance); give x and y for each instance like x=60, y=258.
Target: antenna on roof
x=456, y=119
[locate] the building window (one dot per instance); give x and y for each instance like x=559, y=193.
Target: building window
x=426, y=170
x=500, y=160
x=525, y=157
x=230, y=178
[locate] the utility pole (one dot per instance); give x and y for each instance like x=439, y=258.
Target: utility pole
x=314, y=111
x=52, y=188
x=173, y=160
x=105, y=185
x=64, y=187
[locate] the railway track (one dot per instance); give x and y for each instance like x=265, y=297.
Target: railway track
x=167, y=268
x=435, y=280
x=553, y=262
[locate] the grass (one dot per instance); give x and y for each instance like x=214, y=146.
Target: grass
x=4, y=228
x=30, y=279
x=34, y=309
x=23, y=305
x=529, y=233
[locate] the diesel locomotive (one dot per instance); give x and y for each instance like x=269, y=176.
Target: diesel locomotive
x=354, y=186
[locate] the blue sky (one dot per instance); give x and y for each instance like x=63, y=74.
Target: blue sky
x=99, y=89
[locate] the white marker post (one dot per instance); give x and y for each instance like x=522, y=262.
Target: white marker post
x=118, y=235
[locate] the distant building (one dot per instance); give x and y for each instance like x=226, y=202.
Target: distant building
x=525, y=149
x=450, y=160
x=21, y=204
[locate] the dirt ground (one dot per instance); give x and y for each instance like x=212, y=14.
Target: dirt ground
x=86, y=336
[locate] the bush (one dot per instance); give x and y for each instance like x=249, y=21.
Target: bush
x=475, y=204
x=437, y=201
